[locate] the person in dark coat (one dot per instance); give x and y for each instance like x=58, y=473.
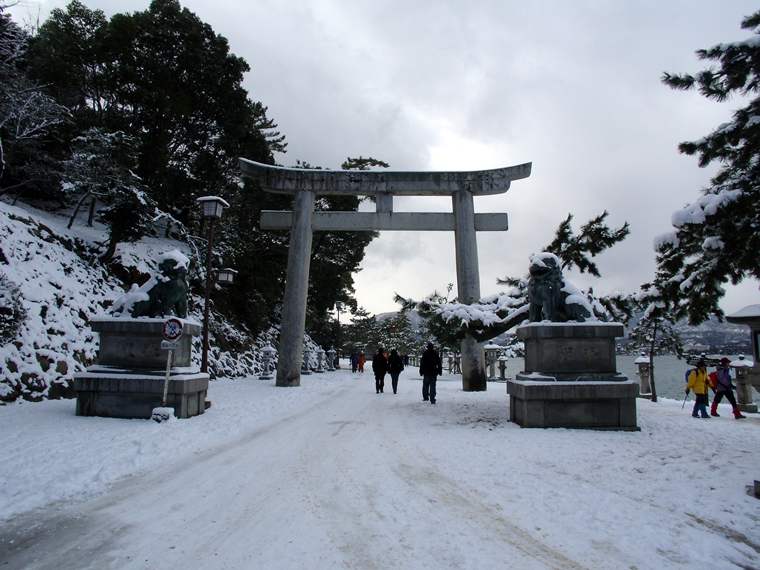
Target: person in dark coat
x=395, y=367
x=430, y=368
x=379, y=367
x=354, y=362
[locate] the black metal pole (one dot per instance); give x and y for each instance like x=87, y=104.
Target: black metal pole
x=339, y=336
x=204, y=359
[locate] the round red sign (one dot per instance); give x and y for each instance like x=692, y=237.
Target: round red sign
x=172, y=329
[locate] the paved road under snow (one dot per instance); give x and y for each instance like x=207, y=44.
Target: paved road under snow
x=344, y=482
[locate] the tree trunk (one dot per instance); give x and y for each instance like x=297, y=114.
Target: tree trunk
x=108, y=255
x=651, y=362
x=91, y=216
x=76, y=210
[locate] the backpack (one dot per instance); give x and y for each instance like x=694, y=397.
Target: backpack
x=713, y=376
x=686, y=376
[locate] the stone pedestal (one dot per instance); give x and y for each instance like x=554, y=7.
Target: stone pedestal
x=747, y=377
x=744, y=395
x=571, y=380
x=128, y=381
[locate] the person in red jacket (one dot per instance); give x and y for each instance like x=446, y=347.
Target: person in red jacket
x=699, y=383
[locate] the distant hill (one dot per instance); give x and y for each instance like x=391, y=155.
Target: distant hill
x=721, y=338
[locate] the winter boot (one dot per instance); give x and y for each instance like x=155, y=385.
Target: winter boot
x=738, y=415
x=714, y=410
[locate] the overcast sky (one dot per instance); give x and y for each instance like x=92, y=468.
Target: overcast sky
x=571, y=86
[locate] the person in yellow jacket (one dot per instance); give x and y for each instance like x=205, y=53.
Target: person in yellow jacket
x=699, y=382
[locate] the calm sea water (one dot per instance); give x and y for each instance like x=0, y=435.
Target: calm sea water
x=668, y=373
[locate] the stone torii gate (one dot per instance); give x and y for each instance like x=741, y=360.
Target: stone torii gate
x=305, y=184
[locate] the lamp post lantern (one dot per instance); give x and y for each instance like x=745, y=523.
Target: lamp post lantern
x=267, y=355
x=226, y=276
x=492, y=353
x=212, y=211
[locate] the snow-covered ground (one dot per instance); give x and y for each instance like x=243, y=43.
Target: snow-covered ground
x=333, y=475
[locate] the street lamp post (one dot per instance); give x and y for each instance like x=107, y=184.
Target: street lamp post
x=338, y=308
x=212, y=211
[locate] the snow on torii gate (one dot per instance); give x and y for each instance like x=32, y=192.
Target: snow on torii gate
x=305, y=184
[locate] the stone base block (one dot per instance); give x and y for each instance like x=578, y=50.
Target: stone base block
x=586, y=405
x=119, y=394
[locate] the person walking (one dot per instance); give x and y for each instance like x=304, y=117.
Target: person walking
x=430, y=368
x=379, y=367
x=724, y=387
x=395, y=367
x=699, y=382
x=354, y=361
x=360, y=362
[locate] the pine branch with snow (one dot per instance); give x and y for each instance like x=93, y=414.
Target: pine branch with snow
x=716, y=239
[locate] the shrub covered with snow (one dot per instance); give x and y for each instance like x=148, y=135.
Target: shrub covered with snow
x=12, y=311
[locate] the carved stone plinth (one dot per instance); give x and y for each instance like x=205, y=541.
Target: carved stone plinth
x=128, y=381
x=571, y=379
x=747, y=377
x=108, y=392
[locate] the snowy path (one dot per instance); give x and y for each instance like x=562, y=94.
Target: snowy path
x=331, y=475
x=344, y=483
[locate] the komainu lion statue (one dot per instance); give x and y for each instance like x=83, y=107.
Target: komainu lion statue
x=165, y=293
x=550, y=297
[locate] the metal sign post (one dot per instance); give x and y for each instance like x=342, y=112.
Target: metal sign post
x=172, y=330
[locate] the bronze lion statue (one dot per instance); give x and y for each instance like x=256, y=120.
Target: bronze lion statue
x=548, y=293
x=168, y=295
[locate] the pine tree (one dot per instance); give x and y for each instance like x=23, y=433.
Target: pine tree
x=30, y=122
x=595, y=237
x=12, y=311
x=654, y=333
x=717, y=238
x=448, y=321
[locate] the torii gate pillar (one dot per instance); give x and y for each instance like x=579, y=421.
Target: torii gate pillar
x=304, y=184
x=468, y=287
x=296, y=291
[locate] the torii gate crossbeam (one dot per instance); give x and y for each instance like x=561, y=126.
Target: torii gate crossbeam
x=305, y=184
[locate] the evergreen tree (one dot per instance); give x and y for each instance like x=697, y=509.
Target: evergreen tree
x=362, y=163
x=12, y=311
x=595, y=237
x=655, y=332
x=129, y=217
x=717, y=238
x=164, y=81
x=448, y=321
x=366, y=333
x=336, y=256
x=30, y=122
x=361, y=333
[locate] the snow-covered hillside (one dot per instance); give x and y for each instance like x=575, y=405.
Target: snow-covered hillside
x=62, y=285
